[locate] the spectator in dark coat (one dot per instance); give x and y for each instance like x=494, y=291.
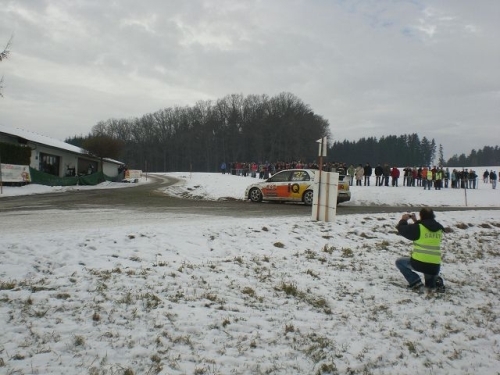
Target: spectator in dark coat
x=486, y=174
x=493, y=179
x=367, y=173
x=387, y=172
x=378, y=174
x=407, y=176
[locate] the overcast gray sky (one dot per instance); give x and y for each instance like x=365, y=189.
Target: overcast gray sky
x=371, y=68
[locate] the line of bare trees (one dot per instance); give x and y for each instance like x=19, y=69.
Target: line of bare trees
x=234, y=128
x=240, y=129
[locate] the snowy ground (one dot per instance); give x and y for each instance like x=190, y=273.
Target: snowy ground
x=253, y=296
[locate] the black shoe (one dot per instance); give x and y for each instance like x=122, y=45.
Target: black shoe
x=440, y=285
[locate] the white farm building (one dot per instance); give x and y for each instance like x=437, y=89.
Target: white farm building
x=57, y=158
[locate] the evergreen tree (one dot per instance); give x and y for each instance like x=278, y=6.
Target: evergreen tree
x=441, y=161
x=486, y=157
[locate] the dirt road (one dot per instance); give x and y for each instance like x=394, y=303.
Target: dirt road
x=147, y=199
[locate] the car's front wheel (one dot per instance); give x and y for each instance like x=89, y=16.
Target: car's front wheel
x=308, y=197
x=255, y=195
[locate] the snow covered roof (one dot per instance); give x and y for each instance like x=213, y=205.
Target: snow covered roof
x=41, y=139
x=46, y=141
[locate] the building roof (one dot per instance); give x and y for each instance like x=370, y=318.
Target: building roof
x=41, y=139
x=46, y=141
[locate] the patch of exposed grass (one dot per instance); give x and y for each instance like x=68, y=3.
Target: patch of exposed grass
x=347, y=253
x=310, y=254
x=210, y=296
x=290, y=289
x=328, y=249
x=384, y=245
x=7, y=285
x=248, y=291
x=151, y=301
x=79, y=340
x=312, y=273
x=127, y=299
x=411, y=347
x=289, y=328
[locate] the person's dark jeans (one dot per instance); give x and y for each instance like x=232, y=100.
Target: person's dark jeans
x=404, y=266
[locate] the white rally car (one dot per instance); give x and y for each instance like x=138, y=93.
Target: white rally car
x=292, y=185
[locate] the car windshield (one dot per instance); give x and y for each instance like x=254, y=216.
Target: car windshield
x=281, y=177
x=300, y=176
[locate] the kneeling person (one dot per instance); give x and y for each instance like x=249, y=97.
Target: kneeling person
x=426, y=235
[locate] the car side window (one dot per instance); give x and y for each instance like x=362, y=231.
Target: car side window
x=300, y=176
x=280, y=177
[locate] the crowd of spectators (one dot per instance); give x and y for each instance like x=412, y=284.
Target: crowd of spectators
x=426, y=177
x=385, y=175
x=267, y=169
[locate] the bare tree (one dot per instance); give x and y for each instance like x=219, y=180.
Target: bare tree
x=3, y=55
x=103, y=146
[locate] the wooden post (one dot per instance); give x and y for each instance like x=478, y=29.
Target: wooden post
x=319, y=183
x=327, y=203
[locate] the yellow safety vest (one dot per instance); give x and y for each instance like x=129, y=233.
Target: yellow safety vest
x=427, y=248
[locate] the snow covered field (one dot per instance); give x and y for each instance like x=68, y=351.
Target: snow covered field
x=253, y=296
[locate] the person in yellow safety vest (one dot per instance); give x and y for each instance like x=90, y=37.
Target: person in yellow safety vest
x=439, y=179
x=426, y=235
x=430, y=178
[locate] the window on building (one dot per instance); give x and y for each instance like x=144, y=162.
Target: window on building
x=49, y=164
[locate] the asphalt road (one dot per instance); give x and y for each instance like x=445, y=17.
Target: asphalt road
x=146, y=198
